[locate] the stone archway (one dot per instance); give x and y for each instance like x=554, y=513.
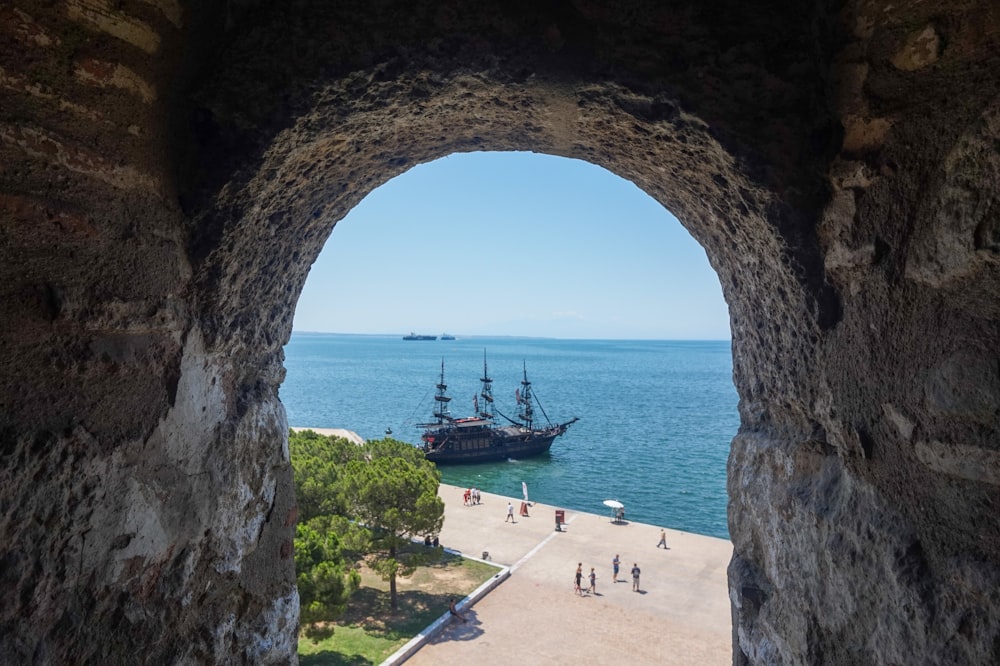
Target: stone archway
x=172, y=170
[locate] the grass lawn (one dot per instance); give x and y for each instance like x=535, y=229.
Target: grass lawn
x=369, y=632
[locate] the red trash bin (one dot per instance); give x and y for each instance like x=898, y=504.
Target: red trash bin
x=560, y=519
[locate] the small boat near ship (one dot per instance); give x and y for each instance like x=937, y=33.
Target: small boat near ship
x=445, y=336
x=414, y=336
x=479, y=438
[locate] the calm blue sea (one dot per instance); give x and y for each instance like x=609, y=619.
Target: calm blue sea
x=656, y=417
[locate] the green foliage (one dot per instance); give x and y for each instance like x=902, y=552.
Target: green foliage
x=353, y=537
x=393, y=493
x=324, y=537
x=369, y=632
x=325, y=580
x=393, y=448
x=316, y=464
x=358, y=502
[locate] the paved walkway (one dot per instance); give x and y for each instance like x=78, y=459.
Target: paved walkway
x=680, y=616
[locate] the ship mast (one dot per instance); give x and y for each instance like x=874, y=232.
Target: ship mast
x=441, y=412
x=524, y=398
x=484, y=410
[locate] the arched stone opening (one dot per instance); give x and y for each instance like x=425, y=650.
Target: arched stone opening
x=838, y=165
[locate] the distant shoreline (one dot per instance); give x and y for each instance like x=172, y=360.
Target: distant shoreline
x=480, y=336
x=344, y=433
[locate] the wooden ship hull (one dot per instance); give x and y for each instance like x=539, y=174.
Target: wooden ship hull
x=478, y=439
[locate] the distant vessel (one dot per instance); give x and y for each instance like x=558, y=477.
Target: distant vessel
x=414, y=336
x=445, y=336
x=478, y=438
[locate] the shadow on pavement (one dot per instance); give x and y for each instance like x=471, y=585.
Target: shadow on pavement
x=459, y=631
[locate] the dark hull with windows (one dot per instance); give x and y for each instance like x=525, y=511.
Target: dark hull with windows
x=476, y=441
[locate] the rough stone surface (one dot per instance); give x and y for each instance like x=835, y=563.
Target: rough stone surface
x=169, y=172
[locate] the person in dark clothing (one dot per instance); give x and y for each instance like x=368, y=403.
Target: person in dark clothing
x=454, y=612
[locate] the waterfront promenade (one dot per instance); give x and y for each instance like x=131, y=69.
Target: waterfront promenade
x=680, y=616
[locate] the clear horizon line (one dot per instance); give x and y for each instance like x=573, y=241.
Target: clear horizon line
x=507, y=335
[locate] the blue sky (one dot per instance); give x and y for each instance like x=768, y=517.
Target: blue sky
x=513, y=244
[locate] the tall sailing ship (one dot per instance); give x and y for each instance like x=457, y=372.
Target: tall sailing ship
x=480, y=438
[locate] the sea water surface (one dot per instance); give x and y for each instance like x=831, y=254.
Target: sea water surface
x=656, y=417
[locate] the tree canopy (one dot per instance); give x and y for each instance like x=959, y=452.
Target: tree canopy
x=324, y=577
x=393, y=493
x=316, y=464
x=366, y=501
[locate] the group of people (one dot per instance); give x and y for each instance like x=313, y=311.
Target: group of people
x=471, y=496
x=578, y=581
x=616, y=568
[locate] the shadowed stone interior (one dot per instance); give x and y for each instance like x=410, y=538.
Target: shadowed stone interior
x=170, y=171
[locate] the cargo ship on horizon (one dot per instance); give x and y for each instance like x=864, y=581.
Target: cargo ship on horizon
x=414, y=336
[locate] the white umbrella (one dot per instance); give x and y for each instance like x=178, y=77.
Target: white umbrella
x=614, y=504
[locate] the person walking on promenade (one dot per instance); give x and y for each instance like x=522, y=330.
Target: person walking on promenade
x=614, y=568
x=578, y=580
x=593, y=582
x=635, y=577
x=663, y=540
x=510, y=513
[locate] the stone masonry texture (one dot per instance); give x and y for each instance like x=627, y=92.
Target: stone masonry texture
x=169, y=170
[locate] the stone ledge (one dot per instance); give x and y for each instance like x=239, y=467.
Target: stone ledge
x=432, y=630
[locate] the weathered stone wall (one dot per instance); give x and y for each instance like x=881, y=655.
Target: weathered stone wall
x=873, y=538
x=145, y=501
x=170, y=173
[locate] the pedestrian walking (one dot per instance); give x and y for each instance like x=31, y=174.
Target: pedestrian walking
x=615, y=563
x=510, y=513
x=593, y=582
x=663, y=540
x=578, y=579
x=635, y=577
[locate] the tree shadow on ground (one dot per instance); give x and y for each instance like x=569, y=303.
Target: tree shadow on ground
x=370, y=609
x=422, y=599
x=332, y=658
